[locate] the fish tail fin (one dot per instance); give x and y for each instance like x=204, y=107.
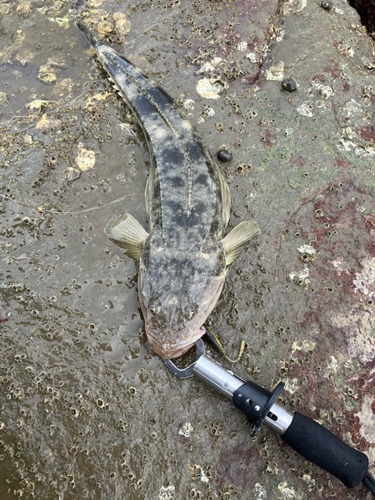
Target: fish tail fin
x=90, y=37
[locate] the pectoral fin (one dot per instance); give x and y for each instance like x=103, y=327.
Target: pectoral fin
x=234, y=241
x=129, y=231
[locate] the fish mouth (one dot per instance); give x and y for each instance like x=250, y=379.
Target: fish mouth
x=172, y=351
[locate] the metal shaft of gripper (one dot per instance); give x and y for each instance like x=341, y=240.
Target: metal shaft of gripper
x=278, y=418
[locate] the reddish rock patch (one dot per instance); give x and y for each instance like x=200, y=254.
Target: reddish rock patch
x=269, y=136
x=367, y=133
x=230, y=472
x=333, y=70
x=331, y=363
x=340, y=163
x=319, y=78
x=298, y=161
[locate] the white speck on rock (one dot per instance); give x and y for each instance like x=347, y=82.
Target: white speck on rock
x=306, y=345
x=292, y=385
x=350, y=52
x=204, y=478
x=302, y=275
x=259, y=492
x=166, y=493
x=242, y=46
x=186, y=430
x=294, y=6
x=332, y=363
x=253, y=58
x=210, y=88
x=275, y=72
x=338, y=264
x=207, y=67
x=189, y=104
x=216, y=61
x=325, y=91
x=364, y=282
x=307, y=249
x=286, y=492
x=305, y=109
x=85, y=158
x=309, y=481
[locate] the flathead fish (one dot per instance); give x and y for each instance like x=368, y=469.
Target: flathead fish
x=183, y=257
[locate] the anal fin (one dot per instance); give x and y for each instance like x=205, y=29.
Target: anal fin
x=234, y=241
x=147, y=194
x=225, y=197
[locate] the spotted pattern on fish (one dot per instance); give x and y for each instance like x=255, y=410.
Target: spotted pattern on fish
x=161, y=104
x=176, y=153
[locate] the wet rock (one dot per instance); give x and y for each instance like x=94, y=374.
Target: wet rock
x=86, y=407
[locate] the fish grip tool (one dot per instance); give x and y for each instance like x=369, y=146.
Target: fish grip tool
x=306, y=436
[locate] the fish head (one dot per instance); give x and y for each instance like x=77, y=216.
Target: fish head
x=177, y=292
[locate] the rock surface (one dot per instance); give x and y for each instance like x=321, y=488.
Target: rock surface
x=86, y=410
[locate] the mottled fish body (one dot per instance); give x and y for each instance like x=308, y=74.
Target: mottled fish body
x=184, y=255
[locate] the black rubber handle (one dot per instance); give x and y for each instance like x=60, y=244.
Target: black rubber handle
x=318, y=445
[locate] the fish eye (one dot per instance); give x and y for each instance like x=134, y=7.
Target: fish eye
x=155, y=308
x=190, y=311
